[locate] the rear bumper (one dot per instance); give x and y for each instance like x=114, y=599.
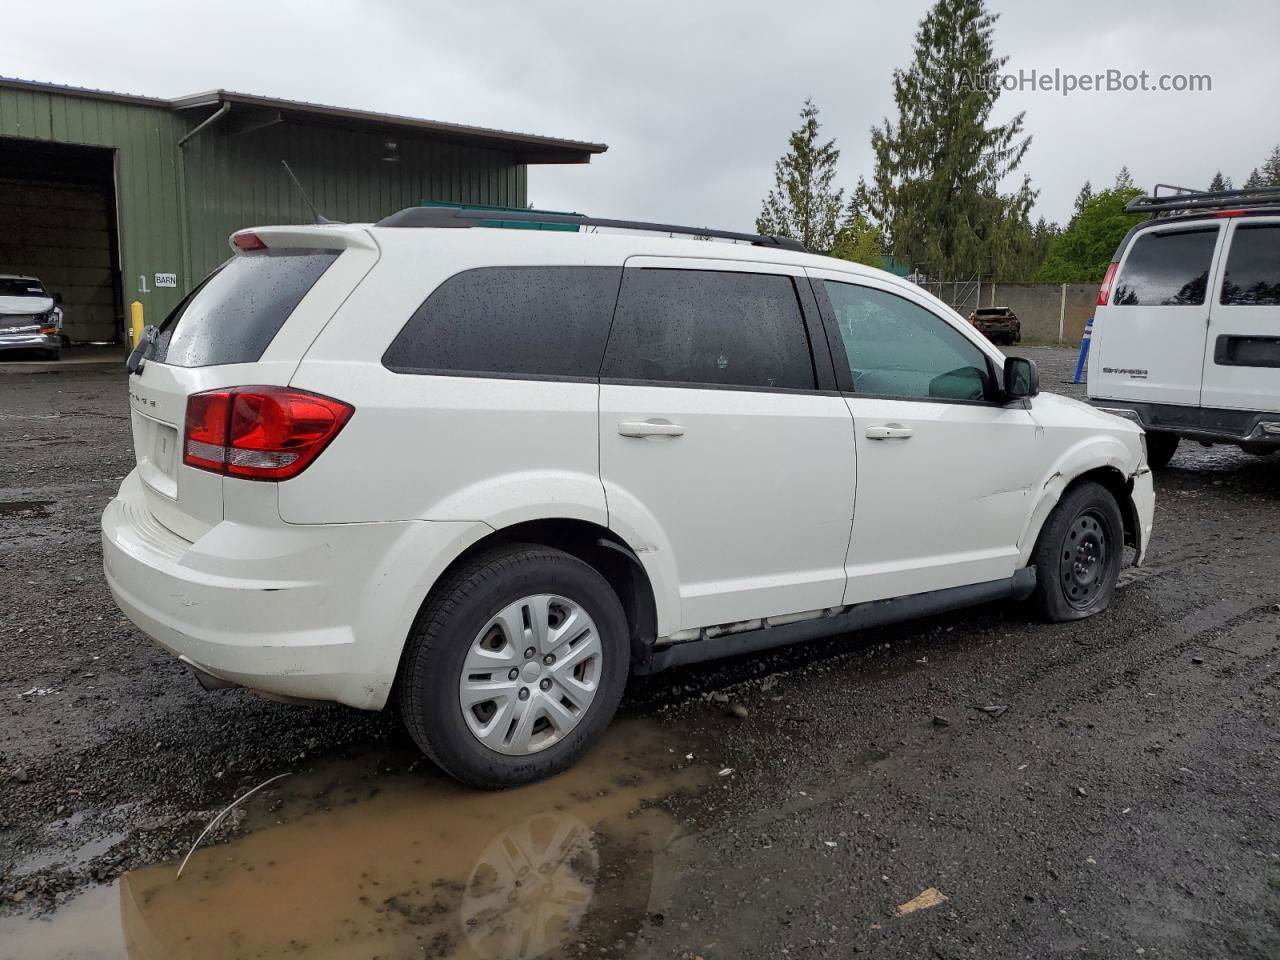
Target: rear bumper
x=1198, y=423
x=312, y=612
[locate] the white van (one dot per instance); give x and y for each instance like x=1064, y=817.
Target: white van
x=1186, y=335
x=497, y=471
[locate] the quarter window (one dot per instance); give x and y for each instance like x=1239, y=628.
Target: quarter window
x=896, y=348
x=1253, y=266
x=511, y=321
x=1169, y=269
x=709, y=327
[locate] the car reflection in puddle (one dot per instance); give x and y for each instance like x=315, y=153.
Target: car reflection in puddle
x=394, y=866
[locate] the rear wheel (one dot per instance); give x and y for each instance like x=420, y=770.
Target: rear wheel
x=514, y=667
x=1078, y=555
x=1160, y=448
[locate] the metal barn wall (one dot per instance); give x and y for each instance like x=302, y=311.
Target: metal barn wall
x=149, y=191
x=235, y=180
x=176, y=206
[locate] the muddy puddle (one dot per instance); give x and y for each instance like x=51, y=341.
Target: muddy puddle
x=347, y=862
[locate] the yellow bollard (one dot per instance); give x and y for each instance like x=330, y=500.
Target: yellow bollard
x=135, y=322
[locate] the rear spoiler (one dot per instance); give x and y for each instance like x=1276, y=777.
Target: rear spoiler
x=337, y=236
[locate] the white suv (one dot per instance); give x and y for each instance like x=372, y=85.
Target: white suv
x=1186, y=336
x=495, y=471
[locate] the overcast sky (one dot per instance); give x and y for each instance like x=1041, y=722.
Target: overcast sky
x=694, y=98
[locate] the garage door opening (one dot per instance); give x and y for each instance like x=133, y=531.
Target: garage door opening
x=58, y=223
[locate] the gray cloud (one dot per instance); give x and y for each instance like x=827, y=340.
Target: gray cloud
x=695, y=99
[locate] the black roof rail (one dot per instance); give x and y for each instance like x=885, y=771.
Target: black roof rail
x=1194, y=201
x=462, y=217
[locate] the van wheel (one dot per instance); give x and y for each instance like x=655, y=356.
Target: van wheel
x=1078, y=555
x=1160, y=448
x=514, y=666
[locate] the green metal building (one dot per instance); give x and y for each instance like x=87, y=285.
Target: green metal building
x=111, y=198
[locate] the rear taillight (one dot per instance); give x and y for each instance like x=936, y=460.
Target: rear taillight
x=260, y=433
x=1104, y=291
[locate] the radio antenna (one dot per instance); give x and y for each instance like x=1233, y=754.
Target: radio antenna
x=298, y=184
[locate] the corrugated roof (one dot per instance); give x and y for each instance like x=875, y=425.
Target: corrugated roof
x=531, y=148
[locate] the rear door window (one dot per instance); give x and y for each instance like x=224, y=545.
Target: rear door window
x=237, y=311
x=1167, y=269
x=709, y=327
x=1253, y=266
x=538, y=322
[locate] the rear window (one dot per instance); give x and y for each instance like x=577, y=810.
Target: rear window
x=1253, y=266
x=511, y=321
x=1168, y=269
x=237, y=311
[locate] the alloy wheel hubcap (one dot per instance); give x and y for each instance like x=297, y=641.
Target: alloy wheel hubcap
x=1083, y=565
x=530, y=674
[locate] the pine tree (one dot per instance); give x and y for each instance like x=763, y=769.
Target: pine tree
x=1254, y=180
x=1219, y=182
x=1082, y=199
x=1124, y=179
x=935, y=191
x=1271, y=169
x=802, y=204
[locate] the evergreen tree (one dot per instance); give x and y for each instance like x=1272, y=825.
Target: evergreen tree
x=1219, y=182
x=1124, y=179
x=1082, y=198
x=1254, y=181
x=802, y=203
x=938, y=167
x=1271, y=169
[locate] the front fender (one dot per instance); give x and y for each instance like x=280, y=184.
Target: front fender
x=1088, y=454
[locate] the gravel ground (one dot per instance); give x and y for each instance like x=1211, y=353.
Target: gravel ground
x=1122, y=803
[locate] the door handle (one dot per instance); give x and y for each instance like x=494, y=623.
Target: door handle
x=650, y=428
x=889, y=431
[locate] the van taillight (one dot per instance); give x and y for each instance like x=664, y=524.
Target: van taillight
x=1104, y=291
x=260, y=433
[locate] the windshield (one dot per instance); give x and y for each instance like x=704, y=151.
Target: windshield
x=20, y=287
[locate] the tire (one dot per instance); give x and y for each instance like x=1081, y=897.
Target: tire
x=1160, y=448
x=460, y=625
x=1078, y=554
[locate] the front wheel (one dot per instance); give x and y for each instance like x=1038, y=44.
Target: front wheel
x=514, y=667
x=1078, y=555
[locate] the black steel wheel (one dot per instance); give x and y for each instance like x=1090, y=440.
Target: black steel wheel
x=1077, y=557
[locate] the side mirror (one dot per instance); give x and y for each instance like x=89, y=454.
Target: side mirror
x=1021, y=378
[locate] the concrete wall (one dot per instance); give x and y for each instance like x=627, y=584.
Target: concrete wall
x=1050, y=312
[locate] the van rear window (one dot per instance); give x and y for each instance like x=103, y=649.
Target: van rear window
x=239, y=308
x=1167, y=269
x=1253, y=266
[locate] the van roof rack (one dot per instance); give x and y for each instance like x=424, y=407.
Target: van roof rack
x=442, y=216
x=1184, y=201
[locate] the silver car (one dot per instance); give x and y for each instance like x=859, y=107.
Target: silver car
x=30, y=316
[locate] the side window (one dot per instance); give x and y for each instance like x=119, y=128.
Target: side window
x=1253, y=266
x=709, y=327
x=898, y=349
x=512, y=321
x=1169, y=269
